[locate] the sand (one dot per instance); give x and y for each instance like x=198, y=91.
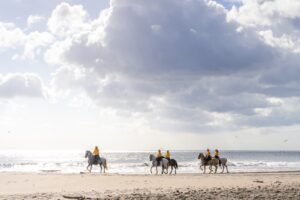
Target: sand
x=276, y=185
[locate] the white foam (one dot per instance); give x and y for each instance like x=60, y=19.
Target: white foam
x=136, y=163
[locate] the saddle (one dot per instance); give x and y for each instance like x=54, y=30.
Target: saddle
x=207, y=159
x=96, y=160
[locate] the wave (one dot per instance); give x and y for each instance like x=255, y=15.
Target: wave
x=137, y=162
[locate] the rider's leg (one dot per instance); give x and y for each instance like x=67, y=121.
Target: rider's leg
x=157, y=160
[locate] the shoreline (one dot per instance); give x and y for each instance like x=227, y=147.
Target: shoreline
x=58, y=172
x=117, y=186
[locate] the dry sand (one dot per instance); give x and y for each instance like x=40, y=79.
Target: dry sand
x=277, y=185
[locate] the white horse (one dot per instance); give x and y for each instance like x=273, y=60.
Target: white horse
x=91, y=162
x=164, y=163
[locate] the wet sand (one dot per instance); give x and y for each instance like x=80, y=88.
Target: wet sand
x=277, y=185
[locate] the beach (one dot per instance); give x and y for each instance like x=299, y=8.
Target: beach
x=255, y=185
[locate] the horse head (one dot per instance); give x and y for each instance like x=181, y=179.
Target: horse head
x=201, y=156
x=87, y=153
x=151, y=157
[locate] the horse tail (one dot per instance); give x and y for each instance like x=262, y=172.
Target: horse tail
x=176, y=165
x=105, y=164
x=225, y=161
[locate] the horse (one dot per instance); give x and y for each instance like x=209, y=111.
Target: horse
x=91, y=162
x=173, y=164
x=213, y=162
x=163, y=163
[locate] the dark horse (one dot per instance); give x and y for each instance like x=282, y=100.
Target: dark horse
x=173, y=164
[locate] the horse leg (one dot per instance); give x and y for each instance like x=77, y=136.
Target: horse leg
x=171, y=170
x=167, y=170
x=227, y=169
x=204, y=171
x=156, y=170
x=91, y=168
x=216, y=169
x=151, y=169
x=100, y=168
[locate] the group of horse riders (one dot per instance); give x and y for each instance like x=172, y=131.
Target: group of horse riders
x=206, y=160
x=207, y=154
x=216, y=156
x=159, y=156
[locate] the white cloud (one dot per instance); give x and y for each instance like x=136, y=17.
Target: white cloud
x=23, y=85
x=278, y=21
x=35, y=41
x=10, y=35
x=67, y=20
x=34, y=19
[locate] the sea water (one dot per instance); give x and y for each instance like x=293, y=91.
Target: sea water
x=123, y=162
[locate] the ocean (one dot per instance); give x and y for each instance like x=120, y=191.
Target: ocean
x=138, y=162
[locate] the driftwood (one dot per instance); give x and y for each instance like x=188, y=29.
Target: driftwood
x=258, y=181
x=75, y=197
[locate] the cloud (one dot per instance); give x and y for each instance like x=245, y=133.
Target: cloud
x=10, y=35
x=21, y=85
x=34, y=19
x=142, y=38
x=36, y=42
x=277, y=21
x=181, y=65
x=67, y=20
x=179, y=60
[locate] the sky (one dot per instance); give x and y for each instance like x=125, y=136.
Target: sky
x=142, y=75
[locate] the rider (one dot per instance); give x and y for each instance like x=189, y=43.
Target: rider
x=158, y=156
x=208, y=156
x=96, y=154
x=217, y=156
x=168, y=155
